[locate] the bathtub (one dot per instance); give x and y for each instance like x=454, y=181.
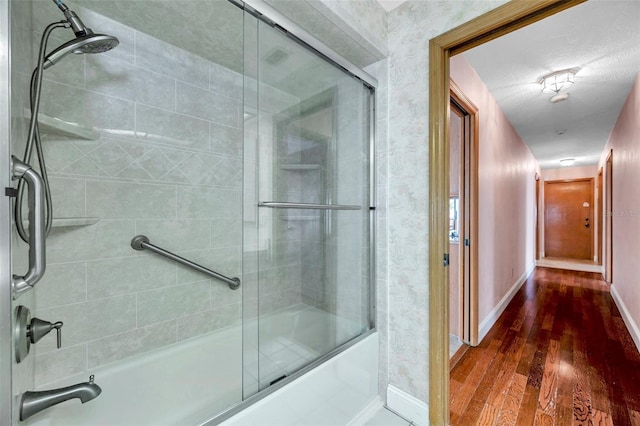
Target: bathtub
x=193, y=381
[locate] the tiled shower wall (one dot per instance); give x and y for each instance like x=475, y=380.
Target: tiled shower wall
x=165, y=161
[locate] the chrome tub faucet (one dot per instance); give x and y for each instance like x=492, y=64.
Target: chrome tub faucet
x=34, y=402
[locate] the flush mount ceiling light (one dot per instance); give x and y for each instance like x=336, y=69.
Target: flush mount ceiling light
x=557, y=81
x=566, y=162
x=559, y=98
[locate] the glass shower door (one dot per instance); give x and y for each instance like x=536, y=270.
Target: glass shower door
x=311, y=200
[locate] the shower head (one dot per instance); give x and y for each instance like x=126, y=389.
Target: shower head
x=85, y=42
x=89, y=43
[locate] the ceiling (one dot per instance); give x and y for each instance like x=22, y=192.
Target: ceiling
x=600, y=38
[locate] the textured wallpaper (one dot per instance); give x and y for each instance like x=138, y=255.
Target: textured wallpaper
x=411, y=26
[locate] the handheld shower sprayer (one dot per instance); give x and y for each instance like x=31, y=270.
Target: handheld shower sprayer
x=86, y=41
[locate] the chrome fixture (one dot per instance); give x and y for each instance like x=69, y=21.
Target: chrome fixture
x=33, y=402
x=85, y=42
x=305, y=206
x=90, y=43
x=29, y=331
x=37, y=228
x=141, y=242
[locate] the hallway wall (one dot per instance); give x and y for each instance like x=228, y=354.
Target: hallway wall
x=625, y=142
x=506, y=194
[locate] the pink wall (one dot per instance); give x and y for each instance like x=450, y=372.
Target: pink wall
x=625, y=142
x=506, y=194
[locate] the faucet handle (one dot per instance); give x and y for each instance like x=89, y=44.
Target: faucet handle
x=38, y=328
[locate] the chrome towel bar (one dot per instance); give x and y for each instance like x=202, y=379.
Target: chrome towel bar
x=141, y=242
x=280, y=205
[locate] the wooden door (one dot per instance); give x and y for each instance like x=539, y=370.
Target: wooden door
x=569, y=219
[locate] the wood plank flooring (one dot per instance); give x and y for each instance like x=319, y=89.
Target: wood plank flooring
x=559, y=355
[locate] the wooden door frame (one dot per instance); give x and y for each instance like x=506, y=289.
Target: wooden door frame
x=600, y=210
x=591, y=196
x=608, y=178
x=538, y=180
x=493, y=24
x=469, y=310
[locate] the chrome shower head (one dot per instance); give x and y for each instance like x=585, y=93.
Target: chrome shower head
x=89, y=43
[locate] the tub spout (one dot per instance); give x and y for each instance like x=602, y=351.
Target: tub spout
x=34, y=402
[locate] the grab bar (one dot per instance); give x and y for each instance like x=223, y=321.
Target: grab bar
x=280, y=205
x=141, y=242
x=37, y=233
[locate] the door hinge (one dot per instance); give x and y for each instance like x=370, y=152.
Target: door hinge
x=446, y=259
x=466, y=242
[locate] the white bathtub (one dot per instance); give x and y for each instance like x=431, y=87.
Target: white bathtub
x=191, y=382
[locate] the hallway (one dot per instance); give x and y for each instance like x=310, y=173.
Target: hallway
x=560, y=354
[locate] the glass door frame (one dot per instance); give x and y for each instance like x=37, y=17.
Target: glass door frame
x=265, y=13
x=6, y=397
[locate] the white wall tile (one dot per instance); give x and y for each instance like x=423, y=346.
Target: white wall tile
x=163, y=304
x=112, y=277
x=122, y=345
x=62, y=284
x=124, y=80
x=89, y=109
x=105, y=239
x=154, y=54
x=60, y=363
x=89, y=321
x=166, y=127
x=215, y=107
x=118, y=200
x=176, y=235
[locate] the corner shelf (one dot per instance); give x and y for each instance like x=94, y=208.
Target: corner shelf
x=298, y=218
x=60, y=222
x=56, y=126
x=299, y=167
x=63, y=222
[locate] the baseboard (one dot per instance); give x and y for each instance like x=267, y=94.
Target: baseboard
x=626, y=316
x=495, y=313
x=407, y=406
x=367, y=413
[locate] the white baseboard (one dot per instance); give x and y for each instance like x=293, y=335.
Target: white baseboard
x=495, y=313
x=407, y=406
x=367, y=413
x=626, y=316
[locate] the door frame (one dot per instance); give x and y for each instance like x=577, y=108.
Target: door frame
x=468, y=264
x=600, y=210
x=608, y=197
x=493, y=24
x=591, y=210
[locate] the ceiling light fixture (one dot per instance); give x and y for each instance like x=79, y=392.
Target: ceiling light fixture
x=557, y=81
x=566, y=162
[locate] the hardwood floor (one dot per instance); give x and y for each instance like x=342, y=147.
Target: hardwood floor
x=560, y=354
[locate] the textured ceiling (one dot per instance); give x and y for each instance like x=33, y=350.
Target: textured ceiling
x=601, y=38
